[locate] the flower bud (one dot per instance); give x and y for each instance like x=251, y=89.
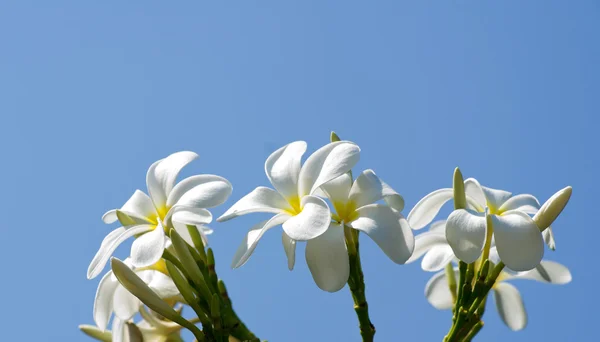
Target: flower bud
x=552, y=208
x=458, y=184
x=95, y=332
x=334, y=137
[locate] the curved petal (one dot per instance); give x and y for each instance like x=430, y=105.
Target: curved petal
x=161, y=175
x=260, y=200
x=201, y=191
x=495, y=198
x=426, y=241
x=438, y=227
x=337, y=189
x=141, y=205
x=311, y=222
x=289, y=246
x=548, y=272
x=510, y=306
x=108, y=247
x=425, y=210
x=524, y=202
x=388, y=228
x=283, y=168
x=325, y=164
x=251, y=239
x=465, y=232
x=110, y=216
x=474, y=191
x=147, y=249
x=437, y=258
x=162, y=285
x=118, y=330
x=191, y=216
x=438, y=293
x=368, y=189
x=126, y=305
x=103, y=303
x=548, y=236
x=327, y=259
x=518, y=240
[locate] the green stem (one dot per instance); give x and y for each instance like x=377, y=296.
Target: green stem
x=356, y=283
x=234, y=324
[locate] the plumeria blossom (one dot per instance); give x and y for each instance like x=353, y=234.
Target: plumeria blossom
x=113, y=298
x=508, y=299
x=355, y=206
x=302, y=215
x=519, y=241
x=169, y=205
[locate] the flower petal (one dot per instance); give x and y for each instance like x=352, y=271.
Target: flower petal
x=161, y=176
x=438, y=293
x=162, y=285
x=327, y=259
x=191, y=216
x=388, y=228
x=126, y=305
x=426, y=241
x=289, y=246
x=260, y=200
x=548, y=236
x=311, y=222
x=283, y=168
x=425, y=210
x=110, y=216
x=147, y=249
x=438, y=227
x=368, y=189
x=510, y=306
x=201, y=191
x=108, y=247
x=103, y=303
x=118, y=330
x=465, y=232
x=518, y=240
x=475, y=192
x=548, y=272
x=437, y=258
x=337, y=189
x=325, y=164
x=495, y=198
x=251, y=239
x=524, y=202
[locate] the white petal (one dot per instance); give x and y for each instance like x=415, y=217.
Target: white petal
x=251, y=239
x=126, y=305
x=474, y=191
x=426, y=241
x=201, y=191
x=438, y=227
x=161, y=176
x=338, y=189
x=548, y=236
x=325, y=164
x=283, y=168
x=118, y=330
x=438, y=293
x=103, y=303
x=518, y=240
x=465, y=232
x=311, y=222
x=327, y=259
x=510, y=306
x=289, y=246
x=495, y=198
x=141, y=205
x=108, y=247
x=388, y=228
x=548, y=272
x=110, y=216
x=260, y=200
x=525, y=203
x=163, y=285
x=437, y=258
x=368, y=189
x=425, y=210
x=147, y=249
x=191, y=216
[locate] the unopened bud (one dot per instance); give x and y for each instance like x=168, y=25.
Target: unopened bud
x=458, y=184
x=95, y=332
x=552, y=208
x=334, y=137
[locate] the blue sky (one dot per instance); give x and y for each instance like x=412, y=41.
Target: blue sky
x=93, y=93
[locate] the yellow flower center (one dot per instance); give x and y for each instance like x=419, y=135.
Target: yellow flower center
x=295, y=207
x=344, y=211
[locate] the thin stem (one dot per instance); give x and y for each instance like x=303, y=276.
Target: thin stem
x=356, y=283
x=451, y=281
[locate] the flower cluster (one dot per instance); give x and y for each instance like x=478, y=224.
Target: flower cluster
x=490, y=237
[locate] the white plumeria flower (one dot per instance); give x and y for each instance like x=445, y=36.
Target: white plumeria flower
x=508, y=300
x=112, y=297
x=519, y=241
x=168, y=206
x=355, y=207
x=303, y=215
